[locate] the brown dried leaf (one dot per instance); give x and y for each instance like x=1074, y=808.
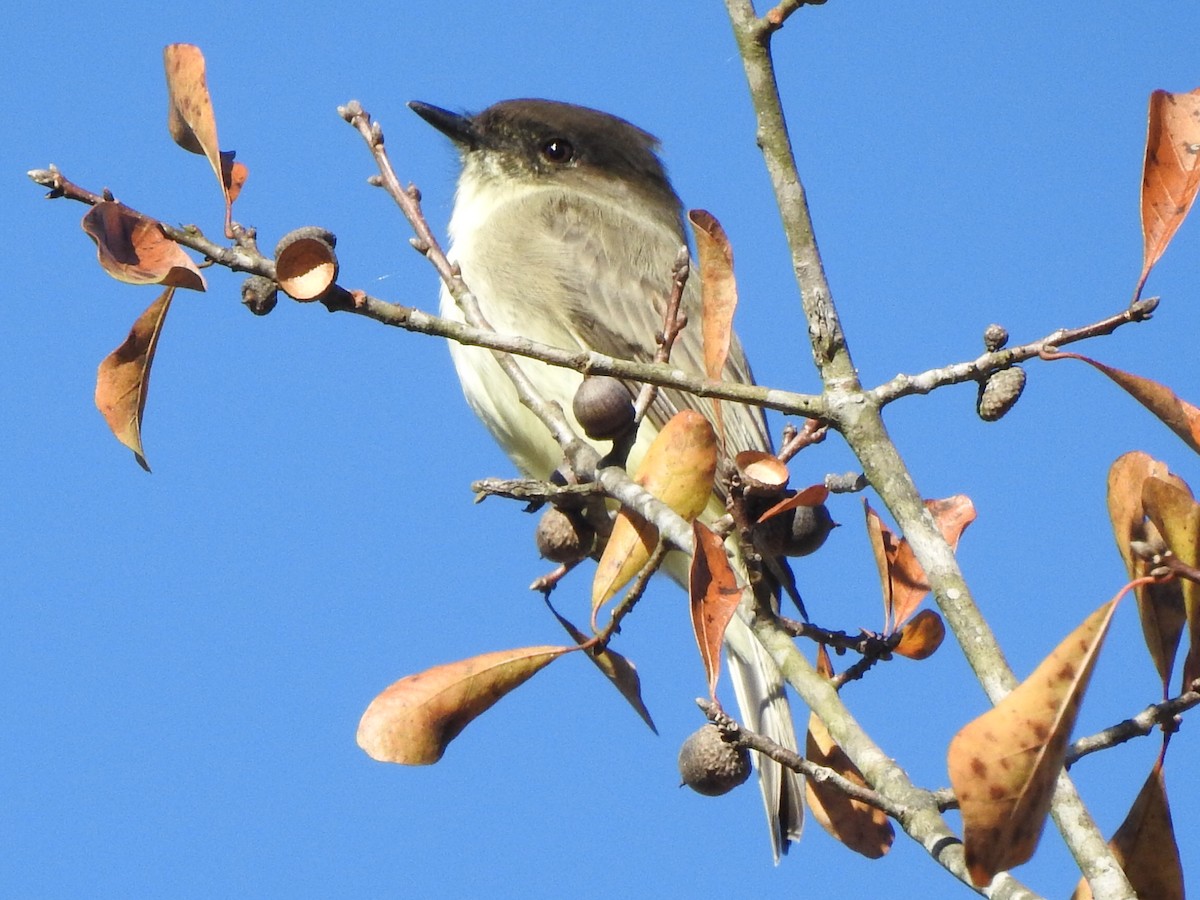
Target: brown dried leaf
x=920, y=638
x=714, y=594
x=616, y=668
x=192, y=122
x=718, y=293
x=813, y=495
x=1160, y=606
x=678, y=469
x=190, y=116
x=902, y=577
x=1171, y=174
x=1004, y=765
x=953, y=515
x=123, y=379
x=1177, y=517
x=1145, y=845
x=414, y=720
x=133, y=248
x=863, y=828
x=1180, y=416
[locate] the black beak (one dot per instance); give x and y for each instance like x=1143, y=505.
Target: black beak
x=459, y=128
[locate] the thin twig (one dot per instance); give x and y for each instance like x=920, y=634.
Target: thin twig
x=1162, y=714
x=735, y=734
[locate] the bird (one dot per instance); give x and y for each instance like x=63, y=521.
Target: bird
x=565, y=227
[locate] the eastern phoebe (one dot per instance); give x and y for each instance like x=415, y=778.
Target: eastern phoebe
x=565, y=228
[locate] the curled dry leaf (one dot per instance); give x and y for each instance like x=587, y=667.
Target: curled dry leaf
x=616, y=668
x=1145, y=845
x=192, y=122
x=133, y=248
x=678, y=469
x=415, y=719
x=863, y=828
x=903, y=580
x=1171, y=174
x=714, y=594
x=1004, y=765
x=718, y=294
x=900, y=575
x=1177, y=414
x=921, y=637
x=123, y=379
x=1160, y=606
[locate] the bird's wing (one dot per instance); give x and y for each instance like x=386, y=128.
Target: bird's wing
x=616, y=308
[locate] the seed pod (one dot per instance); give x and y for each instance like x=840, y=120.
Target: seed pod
x=995, y=337
x=763, y=475
x=602, y=407
x=1000, y=392
x=710, y=765
x=259, y=294
x=305, y=264
x=563, y=537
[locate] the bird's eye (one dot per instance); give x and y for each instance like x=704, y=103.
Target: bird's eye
x=558, y=150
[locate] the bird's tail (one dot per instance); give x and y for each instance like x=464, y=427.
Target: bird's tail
x=759, y=688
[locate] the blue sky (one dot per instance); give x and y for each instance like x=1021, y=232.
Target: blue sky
x=185, y=655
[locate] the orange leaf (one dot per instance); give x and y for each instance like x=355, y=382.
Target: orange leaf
x=953, y=515
x=1160, y=606
x=678, y=469
x=902, y=578
x=813, y=495
x=1145, y=845
x=714, y=594
x=1004, y=765
x=616, y=668
x=920, y=638
x=133, y=248
x=1177, y=517
x=863, y=828
x=192, y=122
x=1180, y=416
x=718, y=293
x=414, y=720
x=124, y=377
x=1171, y=174
x=719, y=289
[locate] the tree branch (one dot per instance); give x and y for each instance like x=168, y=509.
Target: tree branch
x=856, y=413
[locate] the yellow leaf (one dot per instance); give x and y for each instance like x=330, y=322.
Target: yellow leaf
x=1004, y=764
x=414, y=719
x=123, y=379
x=678, y=469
